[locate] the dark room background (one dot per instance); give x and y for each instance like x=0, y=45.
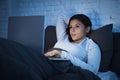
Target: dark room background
x=101, y=12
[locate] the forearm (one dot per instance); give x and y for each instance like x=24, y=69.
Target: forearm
x=77, y=62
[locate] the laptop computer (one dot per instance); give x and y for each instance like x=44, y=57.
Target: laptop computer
x=27, y=30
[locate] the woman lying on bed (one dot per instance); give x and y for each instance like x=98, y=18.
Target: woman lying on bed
x=18, y=62
x=74, y=43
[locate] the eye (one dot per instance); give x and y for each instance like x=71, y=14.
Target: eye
x=77, y=26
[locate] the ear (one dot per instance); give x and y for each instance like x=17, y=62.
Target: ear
x=88, y=29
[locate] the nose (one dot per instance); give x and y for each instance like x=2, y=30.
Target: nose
x=73, y=29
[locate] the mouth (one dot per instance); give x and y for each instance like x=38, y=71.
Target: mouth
x=73, y=35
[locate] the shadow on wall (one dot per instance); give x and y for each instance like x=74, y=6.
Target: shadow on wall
x=95, y=18
x=116, y=27
x=92, y=14
x=97, y=21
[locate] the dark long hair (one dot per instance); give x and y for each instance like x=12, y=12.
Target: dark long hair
x=82, y=18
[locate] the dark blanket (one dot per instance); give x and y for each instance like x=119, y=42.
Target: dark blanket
x=18, y=62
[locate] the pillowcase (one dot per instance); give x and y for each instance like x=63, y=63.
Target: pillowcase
x=50, y=38
x=104, y=38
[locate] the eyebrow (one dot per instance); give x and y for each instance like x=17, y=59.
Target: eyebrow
x=77, y=24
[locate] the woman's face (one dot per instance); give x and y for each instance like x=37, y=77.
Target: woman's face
x=78, y=31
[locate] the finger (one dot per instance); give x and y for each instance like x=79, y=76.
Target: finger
x=47, y=54
x=52, y=54
x=57, y=52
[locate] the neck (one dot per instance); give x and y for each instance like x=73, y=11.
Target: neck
x=80, y=40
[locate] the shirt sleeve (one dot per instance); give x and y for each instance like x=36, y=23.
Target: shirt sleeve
x=92, y=63
x=61, y=28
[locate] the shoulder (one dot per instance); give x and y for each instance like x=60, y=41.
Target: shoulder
x=91, y=43
x=93, y=49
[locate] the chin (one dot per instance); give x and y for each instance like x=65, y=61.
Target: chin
x=74, y=40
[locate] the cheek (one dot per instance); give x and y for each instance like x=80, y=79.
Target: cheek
x=80, y=31
x=70, y=31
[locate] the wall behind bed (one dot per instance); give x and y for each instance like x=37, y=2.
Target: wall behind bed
x=101, y=12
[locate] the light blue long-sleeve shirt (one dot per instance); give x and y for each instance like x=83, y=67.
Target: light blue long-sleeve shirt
x=86, y=54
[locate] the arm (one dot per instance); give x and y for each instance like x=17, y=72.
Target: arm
x=93, y=60
x=61, y=28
